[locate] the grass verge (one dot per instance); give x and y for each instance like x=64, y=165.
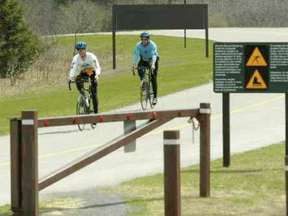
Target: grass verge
x=51, y=207
x=253, y=185
x=179, y=69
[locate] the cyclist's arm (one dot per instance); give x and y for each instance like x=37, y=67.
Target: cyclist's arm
x=154, y=55
x=74, y=64
x=96, y=66
x=136, y=55
x=153, y=64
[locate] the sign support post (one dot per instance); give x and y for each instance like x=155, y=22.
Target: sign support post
x=226, y=129
x=286, y=124
x=249, y=68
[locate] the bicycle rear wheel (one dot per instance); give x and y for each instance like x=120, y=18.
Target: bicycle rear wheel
x=81, y=110
x=89, y=111
x=143, y=95
x=151, y=95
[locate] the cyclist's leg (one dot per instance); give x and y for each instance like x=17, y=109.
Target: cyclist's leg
x=94, y=86
x=79, y=83
x=141, y=72
x=154, y=79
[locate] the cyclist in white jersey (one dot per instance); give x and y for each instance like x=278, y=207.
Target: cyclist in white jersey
x=89, y=66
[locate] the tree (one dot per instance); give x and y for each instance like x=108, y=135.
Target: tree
x=40, y=15
x=81, y=16
x=18, y=44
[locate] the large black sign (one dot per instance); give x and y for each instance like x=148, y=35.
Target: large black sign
x=133, y=17
x=253, y=67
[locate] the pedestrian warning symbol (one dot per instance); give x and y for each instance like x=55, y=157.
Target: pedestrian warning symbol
x=256, y=81
x=256, y=59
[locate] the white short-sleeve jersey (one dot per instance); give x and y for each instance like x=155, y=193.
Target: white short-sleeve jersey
x=90, y=63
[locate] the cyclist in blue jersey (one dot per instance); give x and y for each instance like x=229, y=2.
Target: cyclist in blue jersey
x=146, y=50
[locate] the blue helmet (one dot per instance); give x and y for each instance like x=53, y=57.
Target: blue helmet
x=81, y=45
x=145, y=34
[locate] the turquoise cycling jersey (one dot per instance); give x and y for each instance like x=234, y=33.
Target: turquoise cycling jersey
x=147, y=53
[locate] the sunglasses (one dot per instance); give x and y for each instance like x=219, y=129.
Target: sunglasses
x=144, y=39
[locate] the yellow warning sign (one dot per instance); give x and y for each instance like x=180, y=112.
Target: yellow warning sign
x=256, y=81
x=256, y=59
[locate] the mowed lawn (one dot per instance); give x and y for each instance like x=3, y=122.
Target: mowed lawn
x=253, y=185
x=180, y=69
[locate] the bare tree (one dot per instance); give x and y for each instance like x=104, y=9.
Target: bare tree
x=80, y=16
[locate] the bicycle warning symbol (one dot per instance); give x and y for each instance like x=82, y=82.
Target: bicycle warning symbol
x=256, y=59
x=256, y=81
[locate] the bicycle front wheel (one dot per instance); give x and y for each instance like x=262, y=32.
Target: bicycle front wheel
x=81, y=110
x=143, y=95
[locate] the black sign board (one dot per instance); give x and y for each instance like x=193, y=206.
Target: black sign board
x=133, y=17
x=251, y=67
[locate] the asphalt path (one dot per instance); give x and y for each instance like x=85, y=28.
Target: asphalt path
x=256, y=120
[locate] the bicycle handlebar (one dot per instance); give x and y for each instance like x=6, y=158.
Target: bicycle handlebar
x=141, y=67
x=73, y=81
x=69, y=84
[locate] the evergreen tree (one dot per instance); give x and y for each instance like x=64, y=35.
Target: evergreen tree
x=18, y=44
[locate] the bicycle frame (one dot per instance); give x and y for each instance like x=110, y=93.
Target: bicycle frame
x=83, y=101
x=148, y=93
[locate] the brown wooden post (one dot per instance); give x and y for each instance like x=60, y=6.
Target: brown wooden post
x=15, y=158
x=172, y=192
x=205, y=113
x=29, y=163
x=286, y=182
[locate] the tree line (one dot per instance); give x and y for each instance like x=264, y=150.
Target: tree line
x=70, y=16
x=23, y=22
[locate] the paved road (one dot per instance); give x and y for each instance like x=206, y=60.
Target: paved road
x=229, y=34
x=257, y=120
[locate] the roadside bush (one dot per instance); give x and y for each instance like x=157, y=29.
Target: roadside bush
x=47, y=62
x=18, y=44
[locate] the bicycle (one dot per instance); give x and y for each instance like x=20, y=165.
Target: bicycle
x=83, y=102
x=146, y=90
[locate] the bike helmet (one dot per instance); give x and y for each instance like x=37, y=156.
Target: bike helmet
x=81, y=45
x=145, y=34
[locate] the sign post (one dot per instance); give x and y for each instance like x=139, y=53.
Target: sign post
x=248, y=68
x=226, y=129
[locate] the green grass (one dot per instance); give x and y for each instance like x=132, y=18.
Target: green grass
x=5, y=210
x=179, y=69
x=253, y=185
